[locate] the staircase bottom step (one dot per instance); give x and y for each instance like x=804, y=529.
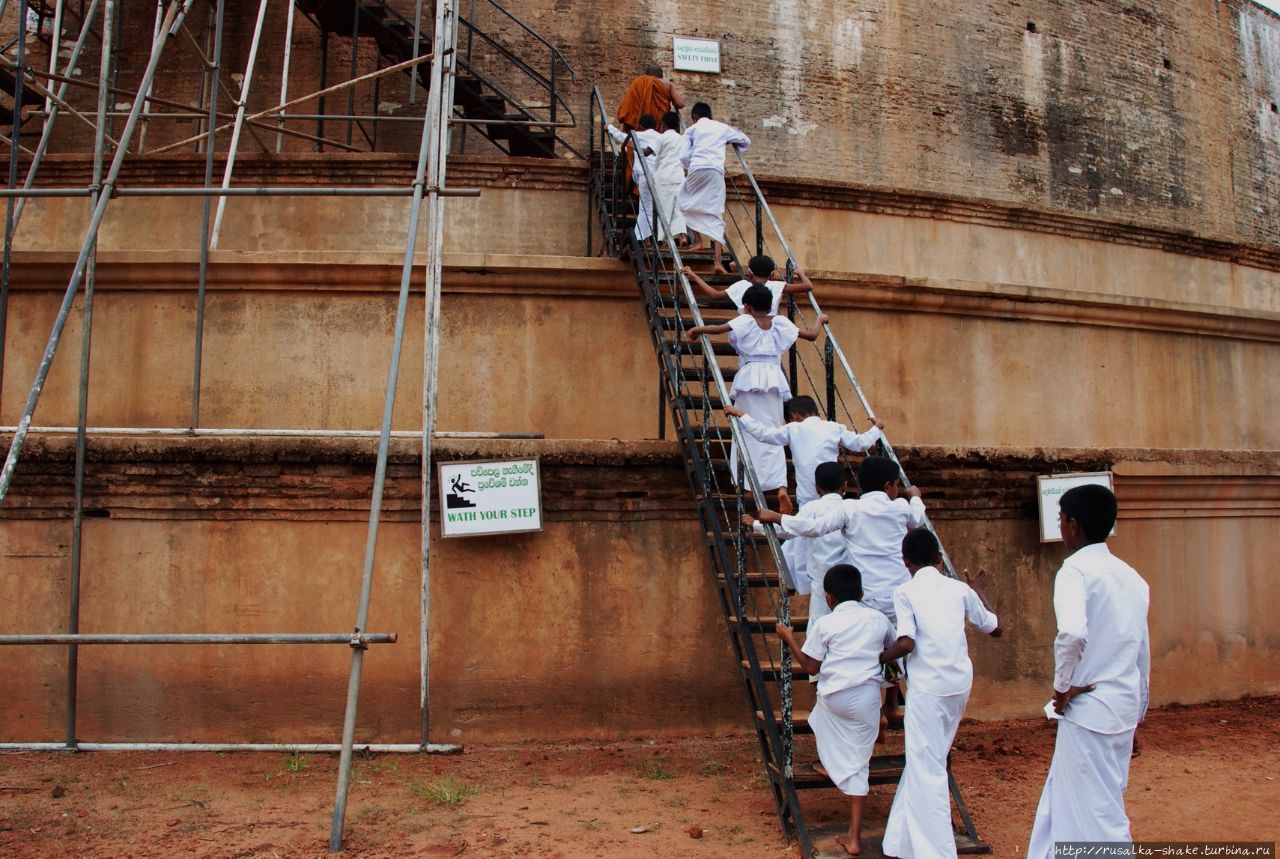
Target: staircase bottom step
x=885, y=769
x=825, y=846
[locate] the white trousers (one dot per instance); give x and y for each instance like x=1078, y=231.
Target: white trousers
x=769, y=460
x=702, y=202
x=1083, y=798
x=845, y=725
x=919, y=824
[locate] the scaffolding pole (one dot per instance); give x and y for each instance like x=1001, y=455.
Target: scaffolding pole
x=82, y=400
x=284, y=74
x=432, y=130
x=318, y=94
x=241, y=106
x=176, y=12
x=15, y=134
x=439, y=109
x=204, y=215
x=47, y=134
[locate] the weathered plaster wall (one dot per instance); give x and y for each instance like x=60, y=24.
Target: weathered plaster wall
x=605, y=624
x=1160, y=112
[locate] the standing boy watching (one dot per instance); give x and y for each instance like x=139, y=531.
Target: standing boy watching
x=842, y=650
x=931, y=611
x=759, y=271
x=1102, y=667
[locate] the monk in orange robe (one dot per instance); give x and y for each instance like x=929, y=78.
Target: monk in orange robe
x=650, y=93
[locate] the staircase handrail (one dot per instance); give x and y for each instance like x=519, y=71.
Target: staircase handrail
x=793, y=263
x=532, y=32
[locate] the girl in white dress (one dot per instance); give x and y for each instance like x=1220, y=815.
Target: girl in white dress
x=760, y=387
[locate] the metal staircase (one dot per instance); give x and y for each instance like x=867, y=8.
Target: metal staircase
x=750, y=571
x=522, y=112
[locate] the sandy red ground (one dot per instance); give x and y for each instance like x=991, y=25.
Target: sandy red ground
x=1206, y=773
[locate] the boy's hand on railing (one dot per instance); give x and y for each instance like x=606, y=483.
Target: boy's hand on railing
x=911, y=491
x=877, y=423
x=686, y=270
x=747, y=521
x=693, y=335
x=823, y=319
x=731, y=409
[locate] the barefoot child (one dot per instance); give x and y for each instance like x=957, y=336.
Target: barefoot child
x=760, y=387
x=812, y=441
x=759, y=270
x=701, y=197
x=931, y=611
x=843, y=649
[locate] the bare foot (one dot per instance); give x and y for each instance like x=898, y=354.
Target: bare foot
x=785, y=505
x=851, y=843
x=820, y=769
x=719, y=269
x=884, y=726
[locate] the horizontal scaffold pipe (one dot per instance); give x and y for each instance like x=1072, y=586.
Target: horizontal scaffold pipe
x=306, y=748
x=225, y=432
x=266, y=191
x=355, y=639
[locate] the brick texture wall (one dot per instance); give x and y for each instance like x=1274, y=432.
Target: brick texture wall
x=1160, y=111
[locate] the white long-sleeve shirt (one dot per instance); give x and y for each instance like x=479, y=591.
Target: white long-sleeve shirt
x=873, y=528
x=931, y=610
x=668, y=151
x=707, y=140
x=813, y=441
x=1101, y=605
x=649, y=139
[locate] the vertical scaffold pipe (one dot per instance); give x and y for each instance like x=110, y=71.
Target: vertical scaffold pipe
x=206, y=206
x=15, y=134
x=82, y=410
x=432, y=129
x=440, y=102
x=176, y=13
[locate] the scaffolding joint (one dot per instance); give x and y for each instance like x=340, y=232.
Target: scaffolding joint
x=357, y=640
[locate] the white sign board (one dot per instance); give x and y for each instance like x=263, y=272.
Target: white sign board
x=489, y=497
x=1050, y=488
x=696, y=55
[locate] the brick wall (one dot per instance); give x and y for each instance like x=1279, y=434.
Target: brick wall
x=1160, y=111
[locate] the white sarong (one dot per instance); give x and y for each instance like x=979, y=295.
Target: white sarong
x=845, y=725
x=701, y=200
x=1083, y=798
x=667, y=194
x=768, y=460
x=644, y=208
x=919, y=824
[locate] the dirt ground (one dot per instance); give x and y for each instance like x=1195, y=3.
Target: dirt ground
x=1205, y=773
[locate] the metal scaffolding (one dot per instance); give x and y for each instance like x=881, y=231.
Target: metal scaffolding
x=427, y=189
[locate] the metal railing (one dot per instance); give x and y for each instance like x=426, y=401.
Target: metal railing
x=753, y=579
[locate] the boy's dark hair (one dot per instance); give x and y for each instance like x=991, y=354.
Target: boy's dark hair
x=920, y=547
x=758, y=297
x=830, y=476
x=647, y=121
x=671, y=121
x=844, y=583
x=802, y=406
x=701, y=110
x=761, y=266
x=1093, y=506
x=875, y=472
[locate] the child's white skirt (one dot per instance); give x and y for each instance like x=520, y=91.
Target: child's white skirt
x=845, y=724
x=768, y=460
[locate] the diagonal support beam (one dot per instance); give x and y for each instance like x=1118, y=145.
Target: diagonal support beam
x=177, y=11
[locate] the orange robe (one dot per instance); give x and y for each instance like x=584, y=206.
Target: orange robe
x=646, y=94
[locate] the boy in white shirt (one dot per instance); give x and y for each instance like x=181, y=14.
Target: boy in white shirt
x=759, y=270
x=702, y=195
x=813, y=441
x=1102, y=668
x=841, y=649
x=931, y=610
